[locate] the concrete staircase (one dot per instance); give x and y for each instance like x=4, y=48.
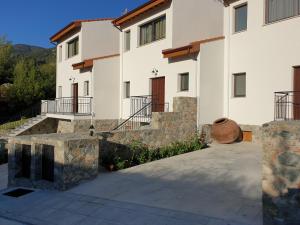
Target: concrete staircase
x=30, y=123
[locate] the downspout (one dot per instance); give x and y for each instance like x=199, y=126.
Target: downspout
x=55, y=44
x=228, y=64
x=121, y=74
x=197, y=90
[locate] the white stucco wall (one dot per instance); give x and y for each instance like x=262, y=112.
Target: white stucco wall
x=211, y=82
x=195, y=20
x=65, y=70
x=100, y=38
x=267, y=53
x=106, y=91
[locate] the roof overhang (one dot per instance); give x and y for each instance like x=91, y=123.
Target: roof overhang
x=73, y=26
x=228, y=2
x=89, y=63
x=139, y=11
x=187, y=50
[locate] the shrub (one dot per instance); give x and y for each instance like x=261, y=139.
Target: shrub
x=139, y=153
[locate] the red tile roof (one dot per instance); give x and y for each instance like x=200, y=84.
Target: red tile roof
x=73, y=26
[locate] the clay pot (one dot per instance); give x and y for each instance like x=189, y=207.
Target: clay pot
x=225, y=131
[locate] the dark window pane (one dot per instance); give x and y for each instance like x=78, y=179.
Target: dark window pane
x=240, y=85
x=184, y=82
x=281, y=9
x=127, y=41
x=153, y=31
x=127, y=89
x=73, y=47
x=241, y=18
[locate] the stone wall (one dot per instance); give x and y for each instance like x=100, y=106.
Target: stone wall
x=76, y=158
x=81, y=126
x=165, y=129
x=281, y=173
x=47, y=126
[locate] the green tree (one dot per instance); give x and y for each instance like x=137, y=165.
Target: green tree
x=5, y=60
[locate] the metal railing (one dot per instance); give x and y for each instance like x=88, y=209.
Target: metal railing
x=68, y=106
x=141, y=108
x=287, y=105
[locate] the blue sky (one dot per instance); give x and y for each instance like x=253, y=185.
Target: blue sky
x=34, y=21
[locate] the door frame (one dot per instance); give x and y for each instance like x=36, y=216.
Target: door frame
x=296, y=96
x=75, y=98
x=161, y=108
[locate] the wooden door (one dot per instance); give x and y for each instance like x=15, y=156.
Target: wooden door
x=26, y=161
x=48, y=163
x=158, y=94
x=75, y=97
x=296, y=105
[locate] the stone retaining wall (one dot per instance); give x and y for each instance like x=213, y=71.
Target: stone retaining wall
x=76, y=158
x=281, y=173
x=165, y=129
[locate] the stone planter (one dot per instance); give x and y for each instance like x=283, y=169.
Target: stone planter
x=225, y=131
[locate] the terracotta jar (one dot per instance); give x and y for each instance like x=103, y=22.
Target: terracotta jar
x=225, y=131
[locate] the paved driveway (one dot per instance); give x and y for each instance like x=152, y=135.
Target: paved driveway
x=217, y=186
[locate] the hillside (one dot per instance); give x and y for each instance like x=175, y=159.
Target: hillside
x=42, y=55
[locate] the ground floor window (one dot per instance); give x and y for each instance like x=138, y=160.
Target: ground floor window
x=127, y=89
x=183, y=82
x=59, y=92
x=239, y=89
x=86, y=88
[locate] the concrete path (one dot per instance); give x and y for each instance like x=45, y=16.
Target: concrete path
x=3, y=177
x=217, y=186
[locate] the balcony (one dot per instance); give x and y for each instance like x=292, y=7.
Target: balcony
x=287, y=105
x=81, y=106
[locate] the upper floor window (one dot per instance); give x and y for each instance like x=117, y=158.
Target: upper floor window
x=73, y=47
x=153, y=31
x=281, y=9
x=127, y=41
x=240, y=18
x=59, y=53
x=86, y=88
x=184, y=82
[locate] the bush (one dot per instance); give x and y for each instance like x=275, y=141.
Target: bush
x=138, y=153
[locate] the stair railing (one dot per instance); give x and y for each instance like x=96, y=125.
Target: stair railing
x=136, y=120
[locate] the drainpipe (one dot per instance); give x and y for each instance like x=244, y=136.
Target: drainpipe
x=197, y=90
x=228, y=64
x=121, y=74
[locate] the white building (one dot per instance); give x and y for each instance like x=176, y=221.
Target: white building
x=262, y=51
x=231, y=56
x=161, y=54
x=87, y=71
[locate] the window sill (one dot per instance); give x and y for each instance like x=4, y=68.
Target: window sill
x=281, y=20
x=185, y=91
x=139, y=46
x=239, y=32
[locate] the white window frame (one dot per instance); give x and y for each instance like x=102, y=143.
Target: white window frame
x=234, y=85
x=127, y=93
x=127, y=48
x=234, y=17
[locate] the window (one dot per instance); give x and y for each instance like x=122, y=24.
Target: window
x=73, y=47
x=184, y=82
x=59, y=92
x=239, y=85
x=240, y=18
x=59, y=53
x=127, y=41
x=153, y=31
x=86, y=88
x=127, y=89
x=281, y=9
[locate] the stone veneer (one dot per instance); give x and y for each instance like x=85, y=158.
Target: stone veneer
x=47, y=126
x=75, y=159
x=166, y=128
x=3, y=151
x=281, y=173
x=67, y=126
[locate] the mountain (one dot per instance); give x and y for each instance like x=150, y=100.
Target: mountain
x=42, y=55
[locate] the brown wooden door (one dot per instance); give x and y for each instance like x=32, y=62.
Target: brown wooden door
x=296, y=105
x=75, y=97
x=48, y=163
x=158, y=94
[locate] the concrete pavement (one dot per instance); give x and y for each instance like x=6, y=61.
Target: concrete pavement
x=217, y=186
